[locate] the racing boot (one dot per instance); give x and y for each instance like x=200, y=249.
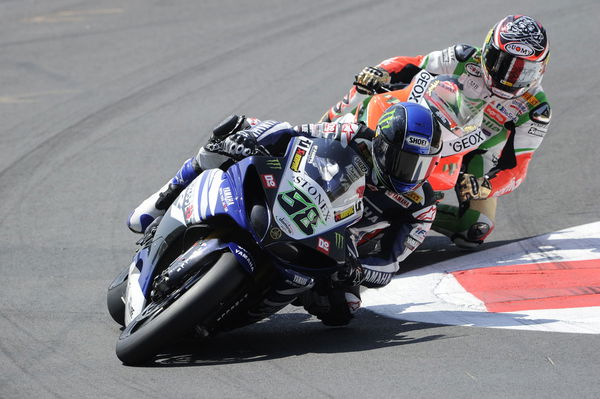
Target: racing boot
x=467, y=230
x=157, y=204
x=335, y=307
x=288, y=286
x=208, y=157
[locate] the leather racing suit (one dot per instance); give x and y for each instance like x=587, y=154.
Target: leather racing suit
x=392, y=227
x=513, y=130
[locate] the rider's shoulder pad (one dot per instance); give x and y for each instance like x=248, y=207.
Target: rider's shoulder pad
x=541, y=114
x=464, y=52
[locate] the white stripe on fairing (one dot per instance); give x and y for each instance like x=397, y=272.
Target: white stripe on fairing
x=204, y=196
x=214, y=193
x=432, y=294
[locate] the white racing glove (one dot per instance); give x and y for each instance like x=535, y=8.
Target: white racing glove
x=371, y=79
x=471, y=188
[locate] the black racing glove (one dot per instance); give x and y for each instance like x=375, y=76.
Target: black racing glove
x=351, y=275
x=241, y=145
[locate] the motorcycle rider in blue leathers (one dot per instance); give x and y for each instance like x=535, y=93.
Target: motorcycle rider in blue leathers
x=399, y=204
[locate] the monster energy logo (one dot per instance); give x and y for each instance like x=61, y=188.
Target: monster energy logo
x=300, y=208
x=274, y=164
x=339, y=240
x=386, y=118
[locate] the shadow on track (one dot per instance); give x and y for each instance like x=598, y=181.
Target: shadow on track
x=295, y=334
x=437, y=249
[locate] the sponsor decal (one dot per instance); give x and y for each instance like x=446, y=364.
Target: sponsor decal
x=243, y=257
x=275, y=233
x=519, y=106
x=274, y=164
x=505, y=111
x=348, y=130
x=297, y=159
x=495, y=114
x=421, y=81
x=226, y=197
x=268, y=181
x=411, y=243
x=343, y=214
x=188, y=207
x=426, y=215
x=312, y=153
x=352, y=173
x=520, y=49
x=400, y=199
x=356, y=161
x=360, y=191
x=417, y=141
x=445, y=56
x=414, y=197
x=329, y=127
x=323, y=245
x=262, y=127
x=531, y=99
x=252, y=121
x=419, y=233
x=474, y=83
x=534, y=131
x=378, y=278
x=448, y=55
x=464, y=143
x=473, y=69
x=512, y=185
x=188, y=213
x=339, y=240
x=285, y=224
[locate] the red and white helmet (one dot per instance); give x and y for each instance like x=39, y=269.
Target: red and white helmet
x=514, y=56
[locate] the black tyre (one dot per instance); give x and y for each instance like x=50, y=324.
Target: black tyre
x=165, y=321
x=114, y=297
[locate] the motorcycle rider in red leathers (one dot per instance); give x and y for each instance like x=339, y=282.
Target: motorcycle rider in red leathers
x=506, y=72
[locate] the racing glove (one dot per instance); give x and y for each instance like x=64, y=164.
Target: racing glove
x=371, y=79
x=351, y=275
x=241, y=145
x=471, y=188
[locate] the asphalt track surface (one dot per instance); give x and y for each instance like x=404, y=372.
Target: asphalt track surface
x=101, y=101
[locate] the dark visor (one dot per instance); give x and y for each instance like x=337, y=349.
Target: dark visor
x=404, y=166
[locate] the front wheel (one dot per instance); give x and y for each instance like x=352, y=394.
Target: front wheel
x=163, y=321
x=114, y=297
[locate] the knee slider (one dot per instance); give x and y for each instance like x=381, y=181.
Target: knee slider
x=479, y=231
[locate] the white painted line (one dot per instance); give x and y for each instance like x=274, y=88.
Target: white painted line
x=432, y=294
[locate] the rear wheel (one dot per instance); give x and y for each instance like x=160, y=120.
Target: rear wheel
x=163, y=321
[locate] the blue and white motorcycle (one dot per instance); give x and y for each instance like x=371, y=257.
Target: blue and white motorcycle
x=230, y=236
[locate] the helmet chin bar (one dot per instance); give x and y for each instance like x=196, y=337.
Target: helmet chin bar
x=489, y=84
